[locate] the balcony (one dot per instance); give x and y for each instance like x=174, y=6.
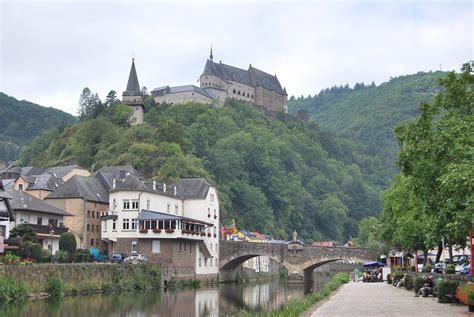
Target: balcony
x=46, y=230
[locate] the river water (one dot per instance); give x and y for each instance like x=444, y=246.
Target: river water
x=218, y=300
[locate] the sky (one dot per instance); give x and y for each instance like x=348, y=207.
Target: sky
x=51, y=50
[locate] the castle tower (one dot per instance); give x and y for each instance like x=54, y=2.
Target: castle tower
x=132, y=96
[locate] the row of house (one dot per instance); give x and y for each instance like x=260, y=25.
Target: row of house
x=117, y=210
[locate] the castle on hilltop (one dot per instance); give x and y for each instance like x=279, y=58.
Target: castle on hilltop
x=217, y=83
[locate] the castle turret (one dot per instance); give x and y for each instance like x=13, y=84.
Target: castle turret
x=132, y=96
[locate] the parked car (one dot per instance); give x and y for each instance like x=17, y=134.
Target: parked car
x=463, y=268
x=97, y=256
x=136, y=258
x=458, y=259
x=118, y=257
x=440, y=266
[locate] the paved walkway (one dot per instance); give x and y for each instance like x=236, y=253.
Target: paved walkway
x=381, y=299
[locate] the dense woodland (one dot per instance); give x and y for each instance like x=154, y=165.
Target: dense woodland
x=21, y=121
x=275, y=175
x=368, y=114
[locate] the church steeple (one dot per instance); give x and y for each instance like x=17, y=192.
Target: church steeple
x=133, y=87
x=211, y=56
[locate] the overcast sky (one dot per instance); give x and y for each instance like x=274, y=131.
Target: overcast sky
x=51, y=50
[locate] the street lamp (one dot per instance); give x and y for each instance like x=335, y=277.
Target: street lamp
x=51, y=233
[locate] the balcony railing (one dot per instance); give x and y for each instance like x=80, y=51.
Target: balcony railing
x=40, y=229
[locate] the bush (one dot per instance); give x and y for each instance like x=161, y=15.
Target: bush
x=55, y=286
x=427, y=269
x=61, y=256
x=444, y=288
x=342, y=277
x=10, y=259
x=463, y=292
x=83, y=255
x=11, y=290
x=417, y=284
x=408, y=282
x=30, y=250
x=67, y=242
x=397, y=277
x=450, y=269
x=45, y=256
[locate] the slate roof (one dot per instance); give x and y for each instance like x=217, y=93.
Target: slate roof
x=251, y=77
x=4, y=196
x=193, y=188
x=119, y=171
x=21, y=200
x=133, y=87
x=185, y=88
x=228, y=72
x=61, y=171
x=31, y=170
x=131, y=182
x=45, y=182
x=86, y=187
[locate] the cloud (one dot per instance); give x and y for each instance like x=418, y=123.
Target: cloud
x=51, y=50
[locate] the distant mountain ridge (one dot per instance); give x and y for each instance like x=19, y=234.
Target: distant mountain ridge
x=368, y=114
x=21, y=121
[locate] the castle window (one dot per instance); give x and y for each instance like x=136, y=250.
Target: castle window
x=248, y=95
x=252, y=96
x=239, y=92
x=233, y=91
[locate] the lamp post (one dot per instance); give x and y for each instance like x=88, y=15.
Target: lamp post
x=51, y=233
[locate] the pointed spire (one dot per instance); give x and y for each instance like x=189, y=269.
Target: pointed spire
x=211, y=56
x=133, y=87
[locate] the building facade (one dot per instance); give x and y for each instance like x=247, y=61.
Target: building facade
x=173, y=225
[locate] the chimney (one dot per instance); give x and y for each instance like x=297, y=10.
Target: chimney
x=154, y=185
x=122, y=174
x=174, y=191
x=114, y=183
x=164, y=187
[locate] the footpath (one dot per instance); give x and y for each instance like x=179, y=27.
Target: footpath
x=381, y=299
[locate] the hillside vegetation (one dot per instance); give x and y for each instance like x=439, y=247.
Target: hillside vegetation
x=275, y=175
x=21, y=121
x=369, y=114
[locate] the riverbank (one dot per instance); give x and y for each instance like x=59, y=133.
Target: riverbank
x=72, y=279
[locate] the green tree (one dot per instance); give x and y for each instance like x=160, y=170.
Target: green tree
x=24, y=233
x=368, y=235
x=67, y=242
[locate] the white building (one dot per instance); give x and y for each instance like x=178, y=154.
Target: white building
x=174, y=225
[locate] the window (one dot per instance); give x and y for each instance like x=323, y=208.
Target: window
x=114, y=204
x=238, y=92
x=92, y=241
x=126, y=204
x=176, y=209
x=126, y=224
x=199, y=262
x=134, y=246
x=148, y=204
x=135, y=204
x=155, y=246
x=88, y=227
x=168, y=208
x=97, y=228
x=114, y=225
x=20, y=187
x=93, y=214
x=53, y=222
x=88, y=214
x=233, y=91
x=134, y=224
x=39, y=221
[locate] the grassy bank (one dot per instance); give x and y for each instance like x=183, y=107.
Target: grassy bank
x=71, y=279
x=297, y=306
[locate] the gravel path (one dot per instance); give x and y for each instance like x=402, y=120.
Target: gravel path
x=381, y=299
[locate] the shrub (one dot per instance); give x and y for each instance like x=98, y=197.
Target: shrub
x=67, y=242
x=45, y=256
x=11, y=290
x=342, y=277
x=30, y=250
x=450, y=269
x=10, y=259
x=463, y=292
x=444, y=288
x=61, y=256
x=55, y=286
x=83, y=255
x=427, y=268
x=418, y=283
x=397, y=277
x=408, y=282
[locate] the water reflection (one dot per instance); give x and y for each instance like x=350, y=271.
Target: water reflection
x=222, y=300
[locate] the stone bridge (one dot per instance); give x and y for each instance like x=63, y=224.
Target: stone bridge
x=300, y=263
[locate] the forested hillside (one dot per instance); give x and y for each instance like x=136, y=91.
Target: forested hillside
x=21, y=121
x=369, y=114
x=275, y=175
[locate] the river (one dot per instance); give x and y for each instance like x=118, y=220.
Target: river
x=218, y=300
